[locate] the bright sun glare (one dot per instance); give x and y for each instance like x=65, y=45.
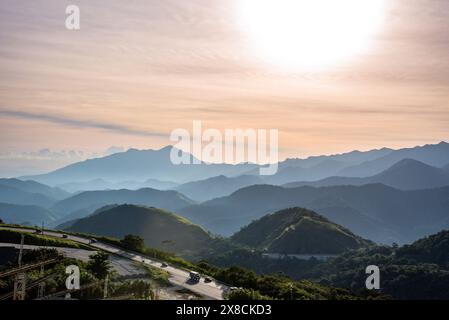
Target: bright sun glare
x=310, y=34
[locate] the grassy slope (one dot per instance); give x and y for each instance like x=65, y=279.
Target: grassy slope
x=160, y=229
x=10, y=236
x=298, y=231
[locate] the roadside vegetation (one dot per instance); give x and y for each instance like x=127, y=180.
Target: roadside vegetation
x=92, y=278
x=136, y=244
x=160, y=277
x=275, y=286
x=12, y=236
x=253, y=285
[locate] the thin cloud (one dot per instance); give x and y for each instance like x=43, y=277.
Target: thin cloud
x=81, y=123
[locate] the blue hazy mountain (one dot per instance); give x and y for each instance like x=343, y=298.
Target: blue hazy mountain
x=315, y=168
x=87, y=202
x=35, y=187
x=26, y=214
x=290, y=172
x=355, y=163
x=446, y=168
x=138, y=165
x=352, y=157
x=407, y=174
x=436, y=155
x=101, y=184
x=29, y=192
x=377, y=212
x=215, y=187
x=16, y=196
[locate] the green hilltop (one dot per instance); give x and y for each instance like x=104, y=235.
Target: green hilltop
x=298, y=231
x=159, y=228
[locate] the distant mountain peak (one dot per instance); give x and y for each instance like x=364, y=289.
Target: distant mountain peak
x=166, y=148
x=411, y=166
x=408, y=162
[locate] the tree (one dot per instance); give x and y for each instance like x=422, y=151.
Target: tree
x=99, y=265
x=246, y=294
x=134, y=243
x=1, y=221
x=137, y=289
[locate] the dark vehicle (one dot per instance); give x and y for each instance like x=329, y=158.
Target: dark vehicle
x=194, y=276
x=38, y=231
x=164, y=265
x=65, y=236
x=207, y=280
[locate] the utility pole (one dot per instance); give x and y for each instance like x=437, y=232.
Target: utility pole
x=41, y=287
x=156, y=292
x=291, y=291
x=105, y=290
x=22, y=240
x=20, y=279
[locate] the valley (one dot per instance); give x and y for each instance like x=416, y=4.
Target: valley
x=226, y=216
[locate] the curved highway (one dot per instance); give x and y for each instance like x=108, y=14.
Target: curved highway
x=212, y=290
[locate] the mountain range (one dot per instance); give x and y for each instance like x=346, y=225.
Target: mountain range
x=26, y=214
x=403, y=201
x=140, y=165
x=376, y=212
x=101, y=184
x=407, y=174
x=135, y=165
x=84, y=203
x=433, y=154
x=35, y=187
x=28, y=192
x=16, y=196
x=356, y=163
x=215, y=187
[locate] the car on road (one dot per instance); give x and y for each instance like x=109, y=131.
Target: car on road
x=194, y=276
x=207, y=280
x=65, y=236
x=38, y=231
x=92, y=240
x=164, y=265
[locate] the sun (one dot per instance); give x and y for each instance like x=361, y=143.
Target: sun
x=310, y=34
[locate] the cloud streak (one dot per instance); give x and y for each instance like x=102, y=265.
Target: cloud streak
x=136, y=71
x=81, y=123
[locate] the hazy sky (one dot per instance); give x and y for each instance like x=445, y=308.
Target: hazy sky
x=138, y=69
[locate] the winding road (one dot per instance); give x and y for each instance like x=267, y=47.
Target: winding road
x=212, y=290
